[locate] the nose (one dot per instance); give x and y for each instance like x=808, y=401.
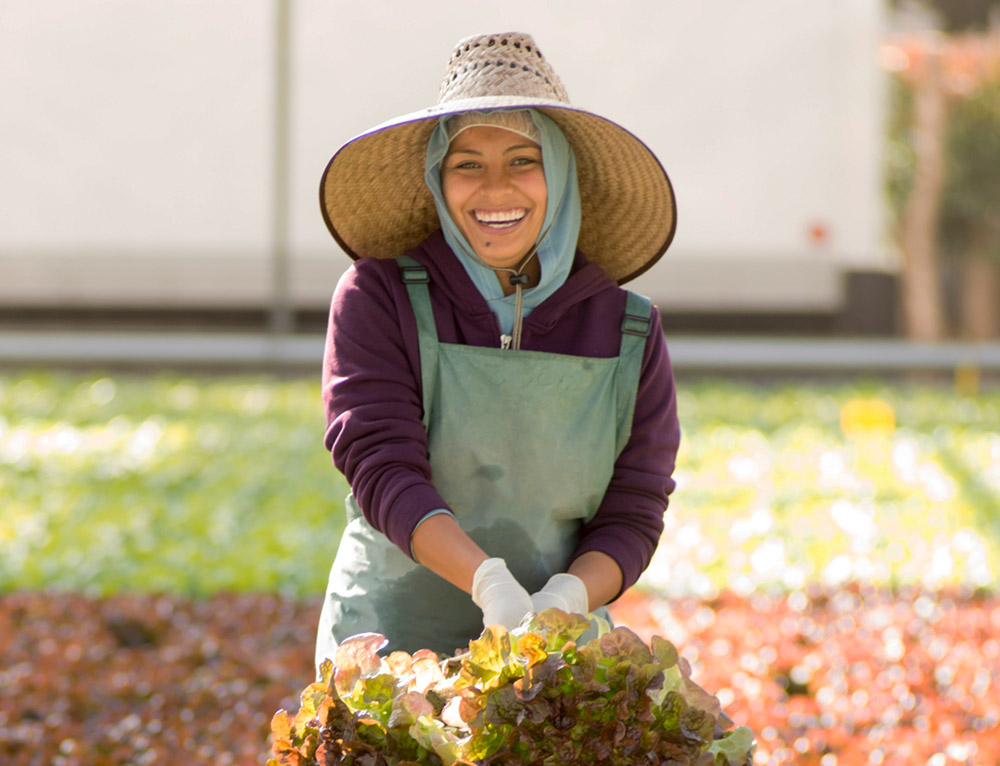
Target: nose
x=497, y=182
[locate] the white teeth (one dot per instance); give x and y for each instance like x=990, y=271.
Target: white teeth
x=500, y=218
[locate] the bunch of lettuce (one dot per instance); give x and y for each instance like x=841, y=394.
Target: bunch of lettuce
x=530, y=696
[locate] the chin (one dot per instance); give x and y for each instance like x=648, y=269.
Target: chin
x=504, y=262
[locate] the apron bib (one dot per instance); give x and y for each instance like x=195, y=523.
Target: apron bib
x=522, y=446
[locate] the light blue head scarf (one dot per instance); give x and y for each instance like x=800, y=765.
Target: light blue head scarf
x=562, y=221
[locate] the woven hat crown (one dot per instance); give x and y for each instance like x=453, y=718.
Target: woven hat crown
x=507, y=64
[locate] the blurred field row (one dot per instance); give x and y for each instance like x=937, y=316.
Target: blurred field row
x=195, y=485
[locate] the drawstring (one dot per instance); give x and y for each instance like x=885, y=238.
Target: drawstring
x=518, y=311
x=518, y=280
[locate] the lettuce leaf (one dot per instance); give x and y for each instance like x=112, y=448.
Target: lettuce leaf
x=527, y=696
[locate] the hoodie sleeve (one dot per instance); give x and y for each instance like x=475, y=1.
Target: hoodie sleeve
x=371, y=392
x=629, y=521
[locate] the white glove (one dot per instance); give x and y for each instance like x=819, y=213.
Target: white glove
x=499, y=595
x=563, y=591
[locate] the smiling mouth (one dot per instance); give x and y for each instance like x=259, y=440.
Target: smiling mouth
x=500, y=219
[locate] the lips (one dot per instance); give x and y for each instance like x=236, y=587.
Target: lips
x=499, y=219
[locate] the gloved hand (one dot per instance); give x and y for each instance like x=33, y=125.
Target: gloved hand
x=563, y=591
x=499, y=595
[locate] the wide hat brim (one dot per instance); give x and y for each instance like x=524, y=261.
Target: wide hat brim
x=376, y=204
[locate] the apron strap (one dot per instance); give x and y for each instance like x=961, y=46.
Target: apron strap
x=416, y=278
x=636, y=326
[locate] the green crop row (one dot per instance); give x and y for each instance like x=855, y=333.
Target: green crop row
x=196, y=485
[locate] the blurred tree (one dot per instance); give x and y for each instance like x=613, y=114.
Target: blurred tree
x=970, y=211
x=944, y=176
x=916, y=180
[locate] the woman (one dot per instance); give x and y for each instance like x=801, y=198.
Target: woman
x=503, y=411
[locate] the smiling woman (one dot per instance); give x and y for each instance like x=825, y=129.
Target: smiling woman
x=503, y=410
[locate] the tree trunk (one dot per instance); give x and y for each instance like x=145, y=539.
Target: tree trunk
x=978, y=300
x=923, y=302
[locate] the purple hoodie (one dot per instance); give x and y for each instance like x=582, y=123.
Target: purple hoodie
x=371, y=390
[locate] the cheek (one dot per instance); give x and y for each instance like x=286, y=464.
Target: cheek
x=539, y=193
x=533, y=185
x=451, y=189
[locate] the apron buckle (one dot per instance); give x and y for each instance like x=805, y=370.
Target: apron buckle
x=636, y=325
x=414, y=275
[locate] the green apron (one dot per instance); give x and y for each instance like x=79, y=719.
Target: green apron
x=522, y=446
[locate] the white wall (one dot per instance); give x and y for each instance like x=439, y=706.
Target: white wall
x=144, y=126
x=133, y=124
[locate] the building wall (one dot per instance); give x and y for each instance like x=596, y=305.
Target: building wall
x=137, y=136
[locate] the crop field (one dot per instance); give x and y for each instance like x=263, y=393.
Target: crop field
x=829, y=566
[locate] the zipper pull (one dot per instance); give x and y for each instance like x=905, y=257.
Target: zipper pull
x=505, y=341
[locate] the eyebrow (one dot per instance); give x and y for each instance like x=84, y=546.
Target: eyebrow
x=514, y=148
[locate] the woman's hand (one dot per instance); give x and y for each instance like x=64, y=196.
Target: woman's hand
x=593, y=580
x=562, y=591
x=501, y=597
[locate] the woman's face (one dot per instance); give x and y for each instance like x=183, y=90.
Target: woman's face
x=494, y=187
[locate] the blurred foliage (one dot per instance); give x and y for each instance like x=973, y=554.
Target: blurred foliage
x=165, y=484
x=900, y=159
x=200, y=485
x=844, y=676
x=970, y=215
x=781, y=486
x=970, y=211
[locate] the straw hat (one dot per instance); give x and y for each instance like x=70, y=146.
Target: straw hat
x=375, y=201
